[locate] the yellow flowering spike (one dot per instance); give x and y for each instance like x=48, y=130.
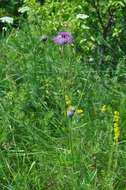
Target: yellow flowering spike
x=116, y=119
x=116, y=134
x=116, y=116
x=67, y=100
x=116, y=113
x=115, y=125
x=116, y=128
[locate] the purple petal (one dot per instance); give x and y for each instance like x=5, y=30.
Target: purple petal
x=63, y=38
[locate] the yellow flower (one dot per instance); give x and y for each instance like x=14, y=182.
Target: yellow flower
x=71, y=109
x=116, y=113
x=79, y=111
x=104, y=108
x=67, y=100
x=116, y=117
x=116, y=134
x=115, y=125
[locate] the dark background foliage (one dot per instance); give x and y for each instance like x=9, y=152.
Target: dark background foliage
x=11, y=6
x=107, y=23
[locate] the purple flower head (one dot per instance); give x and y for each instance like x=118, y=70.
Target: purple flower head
x=63, y=38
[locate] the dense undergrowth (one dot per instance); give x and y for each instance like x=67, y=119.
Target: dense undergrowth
x=62, y=116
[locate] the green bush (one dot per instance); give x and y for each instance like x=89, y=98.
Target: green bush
x=95, y=36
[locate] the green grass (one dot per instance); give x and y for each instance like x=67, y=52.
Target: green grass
x=40, y=147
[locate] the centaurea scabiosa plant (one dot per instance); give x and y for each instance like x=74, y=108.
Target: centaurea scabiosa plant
x=63, y=38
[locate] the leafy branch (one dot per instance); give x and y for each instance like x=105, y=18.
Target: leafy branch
x=106, y=27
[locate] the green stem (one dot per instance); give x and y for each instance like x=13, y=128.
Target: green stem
x=71, y=143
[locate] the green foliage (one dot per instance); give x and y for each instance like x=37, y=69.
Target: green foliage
x=11, y=6
x=40, y=146
x=95, y=35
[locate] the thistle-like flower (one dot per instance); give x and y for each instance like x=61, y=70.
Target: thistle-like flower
x=7, y=19
x=63, y=38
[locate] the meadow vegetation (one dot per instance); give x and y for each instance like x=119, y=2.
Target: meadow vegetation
x=63, y=105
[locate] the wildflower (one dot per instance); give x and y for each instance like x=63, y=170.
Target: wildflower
x=79, y=111
x=67, y=100
x=91, y=59
x=103, y=108
x=23, y=9
x=116, y=117
x=116, y=129
x=70, y=111
x=4, y=29
x=63, y=38
x=82, y=16
x=116, y=113
x=7, y=19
